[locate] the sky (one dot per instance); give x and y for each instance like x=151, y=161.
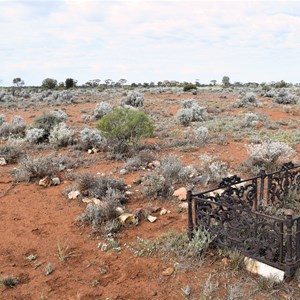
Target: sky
x=143, y=41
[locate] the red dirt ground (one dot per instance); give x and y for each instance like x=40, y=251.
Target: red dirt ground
x=33, y=219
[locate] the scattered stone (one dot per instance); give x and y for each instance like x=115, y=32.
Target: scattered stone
x=46, y=181
x=128, y=193
x=138, y=181
x=155, y=209
x=163, y=212
x=128, y=218
x=95, y=150
x=156, y=163
x=119, y=210
x=55, y=181
x=225, y=261
x=97, y=202
x=184, y=205
x=90, y=151
x=102, y=246
x=2, y=161
x=181, y=193
x=123, y=171
x=151, y=219
x=168, y=272
x=87, y=200
x=73, y=194
x=187, y=290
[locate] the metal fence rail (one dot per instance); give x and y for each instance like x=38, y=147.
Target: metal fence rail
x=235, y=214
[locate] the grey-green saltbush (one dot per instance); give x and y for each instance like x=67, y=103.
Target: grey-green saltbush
x=134, y=98
x=283, y=96
x=2, y=119
x=213, y=168
x=191, y=112
x=267, y=154
x=35, y=135
x=60, y=135
x=246, y=100
x=102, y=109
x=91, y=138
x=201, y=135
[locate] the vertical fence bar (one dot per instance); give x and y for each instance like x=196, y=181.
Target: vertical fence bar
x=270, y=177
x=289, y=245
x=298, y=240
x=190, y=213
x=262, y=186
x=281, y=243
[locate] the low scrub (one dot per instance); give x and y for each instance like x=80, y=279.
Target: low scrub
x=110, y=191
x=124, y=128
x=213, y=168
x=283, y=96
x=61, y=135
x=91, y=138
x=246, y=100
x=15, y=128
x=102, y=109
x=176, y=245
x=191, y=112
x=267, y=155
x=134, y=98
x=12, y=151
x=47, y=122
x=34, y=168
x=90, y=185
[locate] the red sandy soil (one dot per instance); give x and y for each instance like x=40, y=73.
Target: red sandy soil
x=33, y=219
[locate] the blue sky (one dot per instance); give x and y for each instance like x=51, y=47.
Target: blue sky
x=145, y=41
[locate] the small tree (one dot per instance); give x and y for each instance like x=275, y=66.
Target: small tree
x=189, y=86
x=70, y=82
x=49, y=83
x=226, y=81
x=122, y=81
x=18, y=82
x=125, y=128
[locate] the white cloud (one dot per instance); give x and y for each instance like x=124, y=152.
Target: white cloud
x=149, y=40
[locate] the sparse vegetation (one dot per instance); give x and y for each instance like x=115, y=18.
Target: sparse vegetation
x=191, y=112
x=64, y=252
x=47, y=122
x=246, y=100
x=91, y=138
x=134, y=98
x=9, y=281
x=120, y=175
x=33, y=168
x=267, y=155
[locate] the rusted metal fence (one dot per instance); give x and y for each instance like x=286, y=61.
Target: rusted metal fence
x=251, y=215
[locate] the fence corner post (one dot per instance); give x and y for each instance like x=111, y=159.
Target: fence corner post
x=190, y=214
x=289, y=267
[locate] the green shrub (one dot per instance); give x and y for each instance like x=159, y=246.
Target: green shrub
x=189, y=86
x=70, y=82
x=47, y=121
x=125, y=127
x=49, y=83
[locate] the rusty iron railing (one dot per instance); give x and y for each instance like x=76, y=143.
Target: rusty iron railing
x=251, y=215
